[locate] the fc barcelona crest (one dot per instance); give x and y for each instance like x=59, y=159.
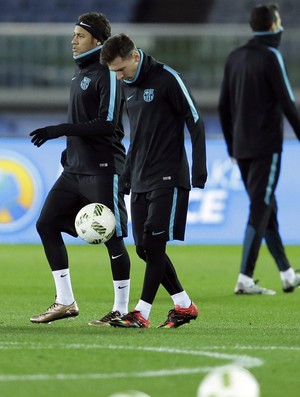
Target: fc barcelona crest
x=148, y=95
x=85, y=83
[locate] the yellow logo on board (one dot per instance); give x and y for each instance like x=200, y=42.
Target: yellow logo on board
x=19, y=181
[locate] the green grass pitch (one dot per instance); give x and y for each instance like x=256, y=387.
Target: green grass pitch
x=70, y=358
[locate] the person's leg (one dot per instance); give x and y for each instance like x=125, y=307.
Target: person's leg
x=155, y=251
x=152, y=230
x=274, y=241
x=104, y=189
x=120, y=267
x=57, y=215
x=158, y=228
x=170, y=281
x=290, y=279
x=260, y=177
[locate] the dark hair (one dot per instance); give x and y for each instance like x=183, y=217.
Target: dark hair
x=263, y=16
x=119, y=45
x=99, y=23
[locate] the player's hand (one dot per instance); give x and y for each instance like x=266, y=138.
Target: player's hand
x=199, y=182
x=199, y=185
x=42, y=135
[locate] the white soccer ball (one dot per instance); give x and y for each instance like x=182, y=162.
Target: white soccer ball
x=229, y=381
x=95, y=223
x=130, y=393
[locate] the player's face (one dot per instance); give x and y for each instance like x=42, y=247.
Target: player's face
x=82, y=41
x=125, y=68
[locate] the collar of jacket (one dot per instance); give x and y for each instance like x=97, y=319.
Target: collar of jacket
x=270, y=39
x=88, y=57
x=146, y=63
x=138, y=71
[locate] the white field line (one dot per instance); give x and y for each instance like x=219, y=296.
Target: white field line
x=238, y=347
x=234, y=359
x=43, y=346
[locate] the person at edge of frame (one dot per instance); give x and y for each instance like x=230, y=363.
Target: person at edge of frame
x=255, y=94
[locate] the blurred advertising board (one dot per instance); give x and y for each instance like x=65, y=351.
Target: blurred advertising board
x=217, y=214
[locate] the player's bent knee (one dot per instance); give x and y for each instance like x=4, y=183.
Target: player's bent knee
x=141, y=252
x=41, y=228
x=151, y=243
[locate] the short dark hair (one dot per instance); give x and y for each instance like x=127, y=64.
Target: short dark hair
x=119, y=45
x=98, y=21
x=263, y=16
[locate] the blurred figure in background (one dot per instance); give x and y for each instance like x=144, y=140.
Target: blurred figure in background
x=93, y=160
x=255, y=94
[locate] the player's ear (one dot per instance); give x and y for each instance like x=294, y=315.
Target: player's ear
x=136, y=56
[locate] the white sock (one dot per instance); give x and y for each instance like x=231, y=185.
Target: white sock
x=64, y=292
x=122, y=290
x=182, y=299
x=144, y=308
x=288, y=274
x=245, y=280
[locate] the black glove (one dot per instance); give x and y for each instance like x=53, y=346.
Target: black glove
x=41, y=135
x=199, y=182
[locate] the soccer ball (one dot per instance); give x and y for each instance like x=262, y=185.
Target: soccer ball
x=95, y=223
x=130, y=393
x=229, y=381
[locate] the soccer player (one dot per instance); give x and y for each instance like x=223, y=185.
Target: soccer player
x=93, y=160
x=254, y=96
x=158, y=104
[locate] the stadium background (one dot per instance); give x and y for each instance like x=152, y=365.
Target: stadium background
x=36, y=67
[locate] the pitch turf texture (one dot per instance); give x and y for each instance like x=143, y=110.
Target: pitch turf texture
x=70, y=358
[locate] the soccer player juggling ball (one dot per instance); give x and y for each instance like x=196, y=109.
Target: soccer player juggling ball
x=93, y=160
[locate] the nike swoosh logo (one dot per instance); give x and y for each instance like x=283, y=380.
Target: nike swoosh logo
x=128, y=99
x=157, y=233
x=74, y=78
x=115, y=257
x=85, y=24
x=63, y=275
x=122, y=287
